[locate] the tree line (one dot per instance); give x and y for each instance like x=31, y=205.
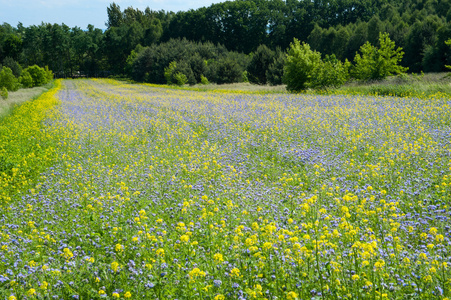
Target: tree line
x=233, y=40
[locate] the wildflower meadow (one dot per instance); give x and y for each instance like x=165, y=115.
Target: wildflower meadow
x=111, y=190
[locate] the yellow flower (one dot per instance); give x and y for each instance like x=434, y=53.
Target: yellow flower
x=235, y=272
x=218, y=257
x=12, y=297
x=31, y=292
x=196, y=272
x=102, y=292
x=119, y=248
x=116, y=295
x=267, y=245
x=127, y=295
x=355, y=277
x=219, y=297
x=44, y=285
x=184, y=238
x=292, y=295
x=160, y=252
x=114, y=266
x=67, y=253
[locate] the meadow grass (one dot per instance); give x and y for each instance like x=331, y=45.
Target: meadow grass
x=19, y=97
x=406, y=85
x=157, y=193
x=412, y=85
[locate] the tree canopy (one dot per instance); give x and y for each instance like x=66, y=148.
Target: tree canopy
x=333, y=27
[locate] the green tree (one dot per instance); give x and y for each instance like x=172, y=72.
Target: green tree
x=448, y=43
x=378, y=63
x=26, y=80
x=115, y=17
x=169, y=72
x=13, y=65
x=8, y=80
x=300, y=63
x=40, y=76
x=330, y=73
x=259, y=64
x=274, y=74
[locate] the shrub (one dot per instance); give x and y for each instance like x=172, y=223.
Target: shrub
x=274, y=74
x=259, y=65
x=330, y=72
x=300, y=63
x=228, y=71
x=180, y=78
x=376, y=63
x=204, y=79
x=13, y=65
x=39, y=75
x=4, y=93
x=169, y=71
x=8, y=80
x=26, y=80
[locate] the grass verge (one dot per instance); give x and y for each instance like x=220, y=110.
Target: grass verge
x=19, y=97
x=25, y=147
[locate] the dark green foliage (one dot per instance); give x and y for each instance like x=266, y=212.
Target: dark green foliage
x=191, y=59
x=12, y=46
x=13, y=65
x=274, y=74
x=259, y=64
x=332, y=27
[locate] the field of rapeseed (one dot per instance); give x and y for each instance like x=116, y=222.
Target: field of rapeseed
x=155, y=193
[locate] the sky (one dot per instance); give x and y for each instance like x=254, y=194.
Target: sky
x=82, y=12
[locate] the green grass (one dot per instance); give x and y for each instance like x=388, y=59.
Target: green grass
x=407, y=85
x=19, y=97
x=411, y=85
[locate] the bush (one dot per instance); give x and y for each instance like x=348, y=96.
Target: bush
x=204, y=79
x=330, y=72
x=40, y=76
x=4, y=93
x=179, y=73
x=180, y=78
x=259, y=65
x=8, y=80
x=300, y=63
x=169, y=71
x=13, y=65
x=229, y=71
x=274, y=74
x=375, y=64
x=26, y=80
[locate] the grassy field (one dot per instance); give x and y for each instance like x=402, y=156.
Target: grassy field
x=155, y=193
x=19, y=97
x=408, y=85
x=402, y=86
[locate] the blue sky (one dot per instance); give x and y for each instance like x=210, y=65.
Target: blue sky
x=81, y=12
